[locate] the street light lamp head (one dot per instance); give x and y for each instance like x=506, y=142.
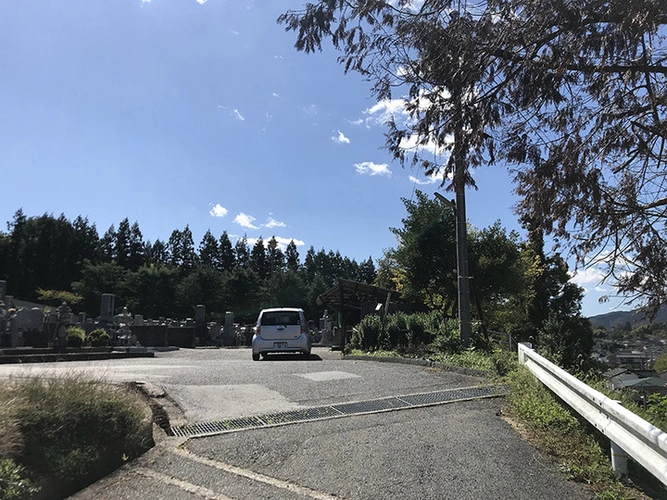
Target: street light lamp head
x=449, y=203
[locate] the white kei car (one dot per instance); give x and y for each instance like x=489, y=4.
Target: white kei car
x=281, y=329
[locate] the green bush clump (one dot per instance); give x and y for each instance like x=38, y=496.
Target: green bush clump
x=76, y=336
x=366, y=334
x=72, y=430
x=397, y=331
x=14, y=483
x=415, y=332
x=447, y=338
x=418, y=332
x=504, y=362
x=98, y=338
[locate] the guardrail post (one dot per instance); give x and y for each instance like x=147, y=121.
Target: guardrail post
x=522, y=355
x=619, y=460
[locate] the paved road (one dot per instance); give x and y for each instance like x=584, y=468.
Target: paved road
x=462, y=450
x=214, y=384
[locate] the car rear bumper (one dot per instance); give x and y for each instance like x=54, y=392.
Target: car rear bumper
x=262, y=346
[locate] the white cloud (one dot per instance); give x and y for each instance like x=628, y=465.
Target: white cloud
x=274, y=223
x=145, y=1
x=238, y=115
x=218, y=211
x=201, y=2
x=436, y=177
x=414, y=5
x=340, y=139
x=587, y=276
x=384, y=110
x=276, y=95
x=370, y=168
x=282, y=242
x=429, y=146
x=245, y=220
x=424, y=182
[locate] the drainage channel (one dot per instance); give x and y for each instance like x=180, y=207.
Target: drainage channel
x=339, y=410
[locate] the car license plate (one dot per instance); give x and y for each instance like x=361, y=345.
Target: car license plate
x=279, y=345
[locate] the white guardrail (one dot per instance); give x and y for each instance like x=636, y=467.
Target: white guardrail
x=629, y=435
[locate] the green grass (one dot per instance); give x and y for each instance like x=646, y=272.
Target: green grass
x=376, y=354
x=468, y=358
x=66, y=432
x=580, y=452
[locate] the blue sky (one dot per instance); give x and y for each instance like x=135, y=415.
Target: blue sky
x=201, y=113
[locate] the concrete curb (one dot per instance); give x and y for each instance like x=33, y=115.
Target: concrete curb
x=71, y=356
x=166, y=413
x=422, y=362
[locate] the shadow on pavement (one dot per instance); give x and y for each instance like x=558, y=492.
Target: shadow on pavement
x=290, y=357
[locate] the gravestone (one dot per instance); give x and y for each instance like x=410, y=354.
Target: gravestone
x=229, y=335
x=26, y=323
x=200, y=313
x=201, y=332
x=107, y=306
x=215, y=332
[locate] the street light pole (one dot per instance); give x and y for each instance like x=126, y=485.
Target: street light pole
x=463, y=281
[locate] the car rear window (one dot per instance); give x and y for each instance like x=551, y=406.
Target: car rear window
x=280, y=318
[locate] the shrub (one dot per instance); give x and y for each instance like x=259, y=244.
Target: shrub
x=407, y=332
x=447, y=338
x=566, y=341
x=655, y=411
x=76, y=336
x=418, y=329
x=504, y=362
x=75, y=429
x=14, y=483
x=366, y=334
x=98, y=338
x=397, y=330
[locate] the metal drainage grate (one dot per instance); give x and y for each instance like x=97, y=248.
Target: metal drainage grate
x=338, y=410
x=371, y=406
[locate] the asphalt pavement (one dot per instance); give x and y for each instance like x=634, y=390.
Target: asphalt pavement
x=459, y=450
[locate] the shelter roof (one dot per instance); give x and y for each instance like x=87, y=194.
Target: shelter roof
x=353, y=293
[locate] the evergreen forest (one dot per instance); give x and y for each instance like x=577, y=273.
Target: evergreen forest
x=516, y=288
x=49, y=259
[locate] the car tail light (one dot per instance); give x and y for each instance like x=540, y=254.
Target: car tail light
x=303, y=328
x=257, y=328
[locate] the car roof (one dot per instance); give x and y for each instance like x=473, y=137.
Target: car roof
x=279, y=309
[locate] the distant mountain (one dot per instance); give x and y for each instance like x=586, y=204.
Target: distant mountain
x=635, y=318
